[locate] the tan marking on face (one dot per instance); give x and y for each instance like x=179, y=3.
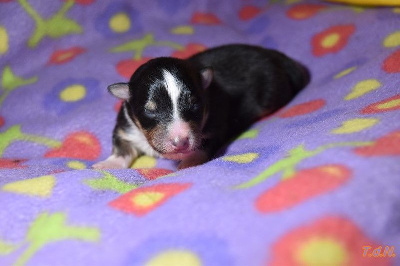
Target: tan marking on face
x=151, y=105
x=157, y=138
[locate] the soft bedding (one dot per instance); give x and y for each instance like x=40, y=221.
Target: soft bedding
x=317, y=183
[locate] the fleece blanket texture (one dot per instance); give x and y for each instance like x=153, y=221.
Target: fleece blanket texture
x=316, y=183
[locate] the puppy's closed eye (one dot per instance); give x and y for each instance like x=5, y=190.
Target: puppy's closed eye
x=192, y=100
x=194, y=103
x=150, y=109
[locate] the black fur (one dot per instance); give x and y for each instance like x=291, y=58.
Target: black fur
x=248, y=82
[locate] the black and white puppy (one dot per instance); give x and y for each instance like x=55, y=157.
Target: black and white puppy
x=188, y=109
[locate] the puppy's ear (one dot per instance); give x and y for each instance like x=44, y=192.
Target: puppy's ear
x=119, y=90
x=206, y=77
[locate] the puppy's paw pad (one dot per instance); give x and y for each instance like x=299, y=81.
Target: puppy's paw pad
x=111, y=163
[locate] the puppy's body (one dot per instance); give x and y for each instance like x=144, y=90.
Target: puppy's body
x=188, y=109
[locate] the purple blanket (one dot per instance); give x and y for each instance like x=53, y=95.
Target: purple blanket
x=317, y=183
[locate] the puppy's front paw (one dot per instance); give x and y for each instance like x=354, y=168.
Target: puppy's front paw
x=113, y=162
x=197, y=158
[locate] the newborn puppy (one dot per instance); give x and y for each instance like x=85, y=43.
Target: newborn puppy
x=188, y=109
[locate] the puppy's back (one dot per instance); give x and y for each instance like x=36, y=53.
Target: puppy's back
x=256, y=79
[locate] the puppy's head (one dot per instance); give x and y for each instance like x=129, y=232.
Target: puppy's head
x=166, y=100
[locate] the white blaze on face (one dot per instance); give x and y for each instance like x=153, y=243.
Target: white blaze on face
x=173, y=89
x=178, y=129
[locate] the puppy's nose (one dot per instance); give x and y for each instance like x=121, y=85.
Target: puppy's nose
x=180, y=143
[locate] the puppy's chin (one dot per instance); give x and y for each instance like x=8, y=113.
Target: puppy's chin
x=177, y=156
